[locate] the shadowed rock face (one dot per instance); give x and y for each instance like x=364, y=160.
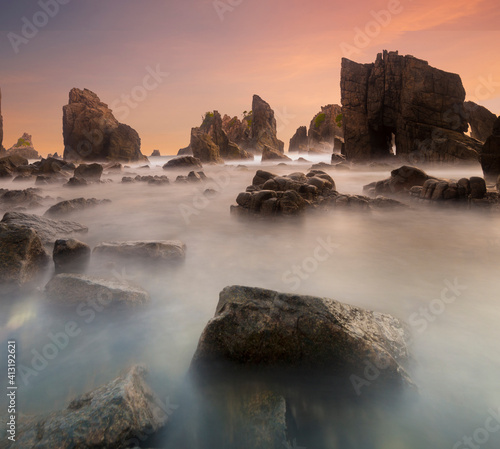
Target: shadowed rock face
x=480, y=119
x=264, y=127
x=299, y=141
x=257, y=327
x=402, y=95
x=91, y=132
x=490, y=157
x=324, y=129
x=22, y=257
x=113, y=416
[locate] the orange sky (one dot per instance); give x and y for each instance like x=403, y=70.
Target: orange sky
x=219, y=53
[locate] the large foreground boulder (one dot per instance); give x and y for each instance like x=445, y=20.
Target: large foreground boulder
x=71, y=290
x=490, y=156
x=92, y=133
x=112, y=416
x=48, y=230
x=253, y=327
x=423, y=107
x=22, y=257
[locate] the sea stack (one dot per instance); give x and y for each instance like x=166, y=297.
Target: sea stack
x=92, y=133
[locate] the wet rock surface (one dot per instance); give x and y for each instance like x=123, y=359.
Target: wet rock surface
x=47, y=229
x=257, y=327
x=112, y=416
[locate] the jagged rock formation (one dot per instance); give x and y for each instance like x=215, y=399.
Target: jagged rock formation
x=238, y=131
x=212, y=125
x=402, y=95
x=92, y=133
x=490, y=156
x=481, y=120
x=204, y=148
x=299, y=141
x=263, y=127
x=24, y=148
x=210, y=143
x=324, y=127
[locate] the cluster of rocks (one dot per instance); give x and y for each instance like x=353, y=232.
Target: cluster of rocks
x=423, y=107
x=44, y=171
x=325, y=132
x=414, y=182
x=272, y=194
x=92, y=133
x=156, y=180
x=192, y=176
x=219, y=139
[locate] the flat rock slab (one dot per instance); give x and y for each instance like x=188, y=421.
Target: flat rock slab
x=148, y=250
x=48, y=230
x=257, y=327
x=111, y=416
x=69, y=206
x=68, y=289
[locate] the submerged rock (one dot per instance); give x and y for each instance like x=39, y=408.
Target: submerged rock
x=10, y=164
x=48, y=230
x=70, y=290
x=160, y=251
x=112, y=416
x=71, y=256
x=402, y=180
x=89, y=172
x=14, y=198
x=253, y=327
x=182, y=162
x=69, y=206
x=268, y=154
x=22, y=257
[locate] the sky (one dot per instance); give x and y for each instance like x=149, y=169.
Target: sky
x=162, y=64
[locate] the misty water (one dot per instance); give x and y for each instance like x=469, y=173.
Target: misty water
x=392, y=261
